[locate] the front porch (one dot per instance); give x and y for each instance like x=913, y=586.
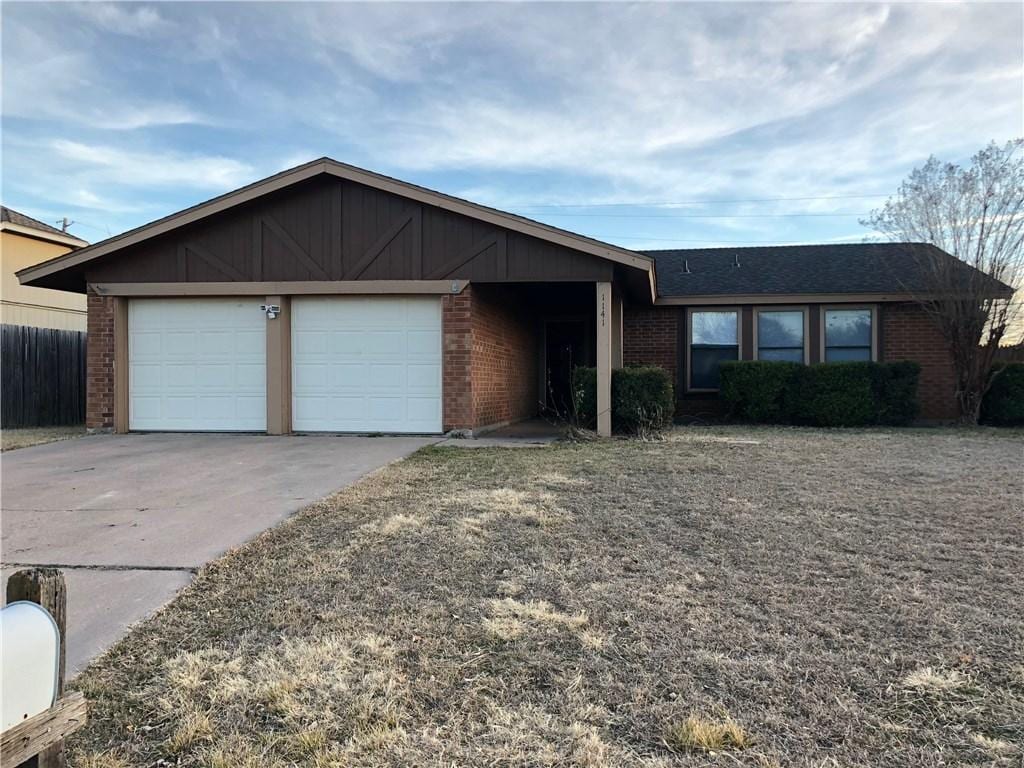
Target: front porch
x=510, y=349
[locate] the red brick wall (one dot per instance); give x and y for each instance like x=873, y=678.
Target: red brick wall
x=99, y=386
x=650, y=337
x=490, y=359
x=456, y=323
x=908, y=334
x=504, y=358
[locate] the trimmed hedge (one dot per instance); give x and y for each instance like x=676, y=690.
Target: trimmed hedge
x=642, y=397
x=848, y=394
x=756, y=390
x=1003, y=405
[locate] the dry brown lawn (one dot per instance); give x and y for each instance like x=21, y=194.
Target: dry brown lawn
x=25, y=437
x=756, y=597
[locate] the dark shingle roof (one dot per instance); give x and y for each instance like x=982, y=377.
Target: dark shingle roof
x=828, y=269
x=8, y=214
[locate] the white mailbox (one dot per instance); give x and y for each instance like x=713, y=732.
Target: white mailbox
x=29, y=661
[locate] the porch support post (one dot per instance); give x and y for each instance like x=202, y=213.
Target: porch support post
x=616, y=329
x=279, y=368
x=604, y=359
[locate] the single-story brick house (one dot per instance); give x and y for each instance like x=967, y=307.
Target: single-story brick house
x=330, y=298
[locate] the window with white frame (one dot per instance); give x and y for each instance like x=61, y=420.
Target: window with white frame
x=714, y=338
x=780, y=335
x=848, y=334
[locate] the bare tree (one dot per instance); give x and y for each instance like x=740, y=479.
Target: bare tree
x=976, y=214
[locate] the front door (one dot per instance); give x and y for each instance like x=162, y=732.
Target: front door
x=563, y=352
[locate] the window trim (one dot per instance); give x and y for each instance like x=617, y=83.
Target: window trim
x=803, y=308
x=738, y=311
x=824, y=310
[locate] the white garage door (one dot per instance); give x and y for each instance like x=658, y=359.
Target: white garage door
x=366, y=364
x=197, y=365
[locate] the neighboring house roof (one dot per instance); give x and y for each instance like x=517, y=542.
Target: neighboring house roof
x=862, y=268
x=326, y=165
x=15, y=221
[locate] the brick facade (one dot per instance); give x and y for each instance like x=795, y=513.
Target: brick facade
x=908, y=333
x=490, y=360
x=505, y=358
x=99, y=386
x=650, y=336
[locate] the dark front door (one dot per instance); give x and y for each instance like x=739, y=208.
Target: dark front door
x=564, y=351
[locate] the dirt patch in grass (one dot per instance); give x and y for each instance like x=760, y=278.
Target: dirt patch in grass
x=791, y=597
x=11, y=439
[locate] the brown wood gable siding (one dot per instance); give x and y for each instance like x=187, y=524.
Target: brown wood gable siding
x=330, y=229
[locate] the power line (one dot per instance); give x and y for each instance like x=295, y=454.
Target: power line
x=697, y=202
x=716, y=240
x=697, y=215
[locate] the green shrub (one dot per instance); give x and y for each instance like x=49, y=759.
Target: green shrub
x=847, y=394
x=896, y=392
x=1003, y=405
x=834, y=395
x=642, y=398
x=756, y=390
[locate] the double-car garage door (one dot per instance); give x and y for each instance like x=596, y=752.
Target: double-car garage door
x=358, y=364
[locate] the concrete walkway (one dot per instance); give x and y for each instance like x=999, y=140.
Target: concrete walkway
x=132, y=517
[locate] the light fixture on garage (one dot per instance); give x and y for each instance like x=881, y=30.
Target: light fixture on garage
x=272, y=310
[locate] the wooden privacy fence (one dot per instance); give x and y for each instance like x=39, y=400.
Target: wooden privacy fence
x=42, y=377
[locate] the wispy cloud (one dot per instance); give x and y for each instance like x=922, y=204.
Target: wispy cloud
x=509, y=102
x=146, y=169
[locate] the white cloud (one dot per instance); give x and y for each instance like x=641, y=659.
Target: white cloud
x=568, y=102
x=47, y=79
x=130, y=168
x=123, y=18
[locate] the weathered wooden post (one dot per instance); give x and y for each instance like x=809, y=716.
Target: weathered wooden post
x=39, y=741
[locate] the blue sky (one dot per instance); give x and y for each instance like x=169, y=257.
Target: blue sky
x=648, y=125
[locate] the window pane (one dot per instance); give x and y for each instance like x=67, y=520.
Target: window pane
x=780, y=329
x=713, y=328
x=842, y=354
x=848, y=328
x=704, y=365
x=789, y=355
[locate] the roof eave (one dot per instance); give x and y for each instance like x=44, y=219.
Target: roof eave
x=41, y=234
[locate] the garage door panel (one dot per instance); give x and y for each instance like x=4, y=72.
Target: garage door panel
x=177, y=376
x=424, y=343
x=388, y=375
x=422, y=377
x=379, y=354
x=197, y=364
x=346, y=409
x=423, y=409
x=348, y=377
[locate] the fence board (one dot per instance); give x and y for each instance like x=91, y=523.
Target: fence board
x=42, y=377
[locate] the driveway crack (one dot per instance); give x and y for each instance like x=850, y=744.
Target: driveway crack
x=92, y=567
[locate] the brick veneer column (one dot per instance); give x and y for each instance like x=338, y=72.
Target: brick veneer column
x=99, y=388
x=909, y=334
x=457, y=330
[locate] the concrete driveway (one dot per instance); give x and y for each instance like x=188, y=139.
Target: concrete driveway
x=130, y=518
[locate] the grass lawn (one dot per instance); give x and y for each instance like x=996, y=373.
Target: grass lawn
x=10, y=439
x=792, y=597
